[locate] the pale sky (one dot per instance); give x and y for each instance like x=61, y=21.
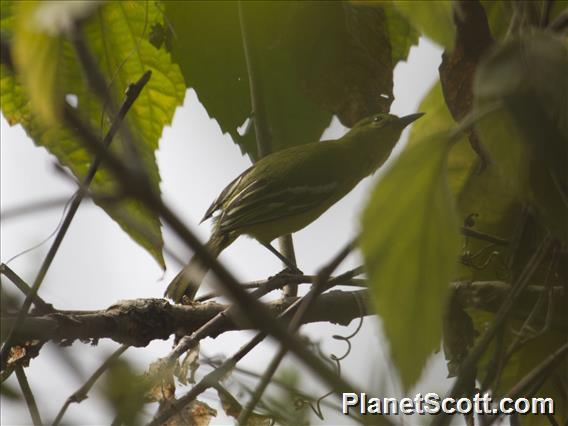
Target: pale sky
x=98, y=264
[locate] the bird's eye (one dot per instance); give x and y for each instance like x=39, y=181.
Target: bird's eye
x=377, y=119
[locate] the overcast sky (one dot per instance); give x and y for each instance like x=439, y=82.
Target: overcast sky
x=98, y=264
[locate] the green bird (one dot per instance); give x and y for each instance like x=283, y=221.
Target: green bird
x=289, y=189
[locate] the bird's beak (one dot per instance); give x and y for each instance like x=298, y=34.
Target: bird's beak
x=407, y=119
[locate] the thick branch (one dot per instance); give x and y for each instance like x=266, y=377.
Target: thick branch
x=137, y=322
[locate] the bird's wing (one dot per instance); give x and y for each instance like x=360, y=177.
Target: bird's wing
x=226, y=194
x=262, y=201
x=284, y=184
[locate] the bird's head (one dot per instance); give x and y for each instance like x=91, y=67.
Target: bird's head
x=384, y=125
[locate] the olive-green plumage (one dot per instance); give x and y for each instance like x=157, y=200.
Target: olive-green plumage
x=289, y=189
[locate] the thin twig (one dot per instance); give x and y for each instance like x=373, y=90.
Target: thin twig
x=286, y=278
x=536, y=376
x=100, y=88
x=41, y=305
x=287, y=248
x=541, y=370
x=319, y=284
x=280, y=383
x=468, y=232
x=468, y=365
x=82, y=393
x=28, y=395
x=33, y=207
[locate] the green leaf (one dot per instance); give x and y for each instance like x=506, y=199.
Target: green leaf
x=528, y=136
x=118, y=38
x=410, y=244
x=434, y=19
x=124, y=391
x=485, y=195
x=313, y=62
x=402, y=35
x=462, y=160
x=208, y=46
x=36, y=55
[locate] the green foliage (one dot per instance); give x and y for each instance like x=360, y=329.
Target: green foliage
x=402, y=35
x=117, y=35
x=125, y=391
x=432, y=19
x=461, y=159
x=284, y=405
x=410, y=244
x=315, y=61
x=528, y=136
x=312, y=61
x=36, y=54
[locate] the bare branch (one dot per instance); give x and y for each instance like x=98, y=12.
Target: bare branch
x=138, y=322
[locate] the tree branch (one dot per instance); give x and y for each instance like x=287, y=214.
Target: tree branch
x=138, y=322
x=228, y=365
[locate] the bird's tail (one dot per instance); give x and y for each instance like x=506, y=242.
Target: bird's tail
x=190, y=277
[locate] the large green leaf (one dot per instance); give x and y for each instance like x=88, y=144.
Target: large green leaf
x=434, y=19
x=484, y=194
x=410, y=244
x=117, y=35
x=314, y=61
x=462, y=159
